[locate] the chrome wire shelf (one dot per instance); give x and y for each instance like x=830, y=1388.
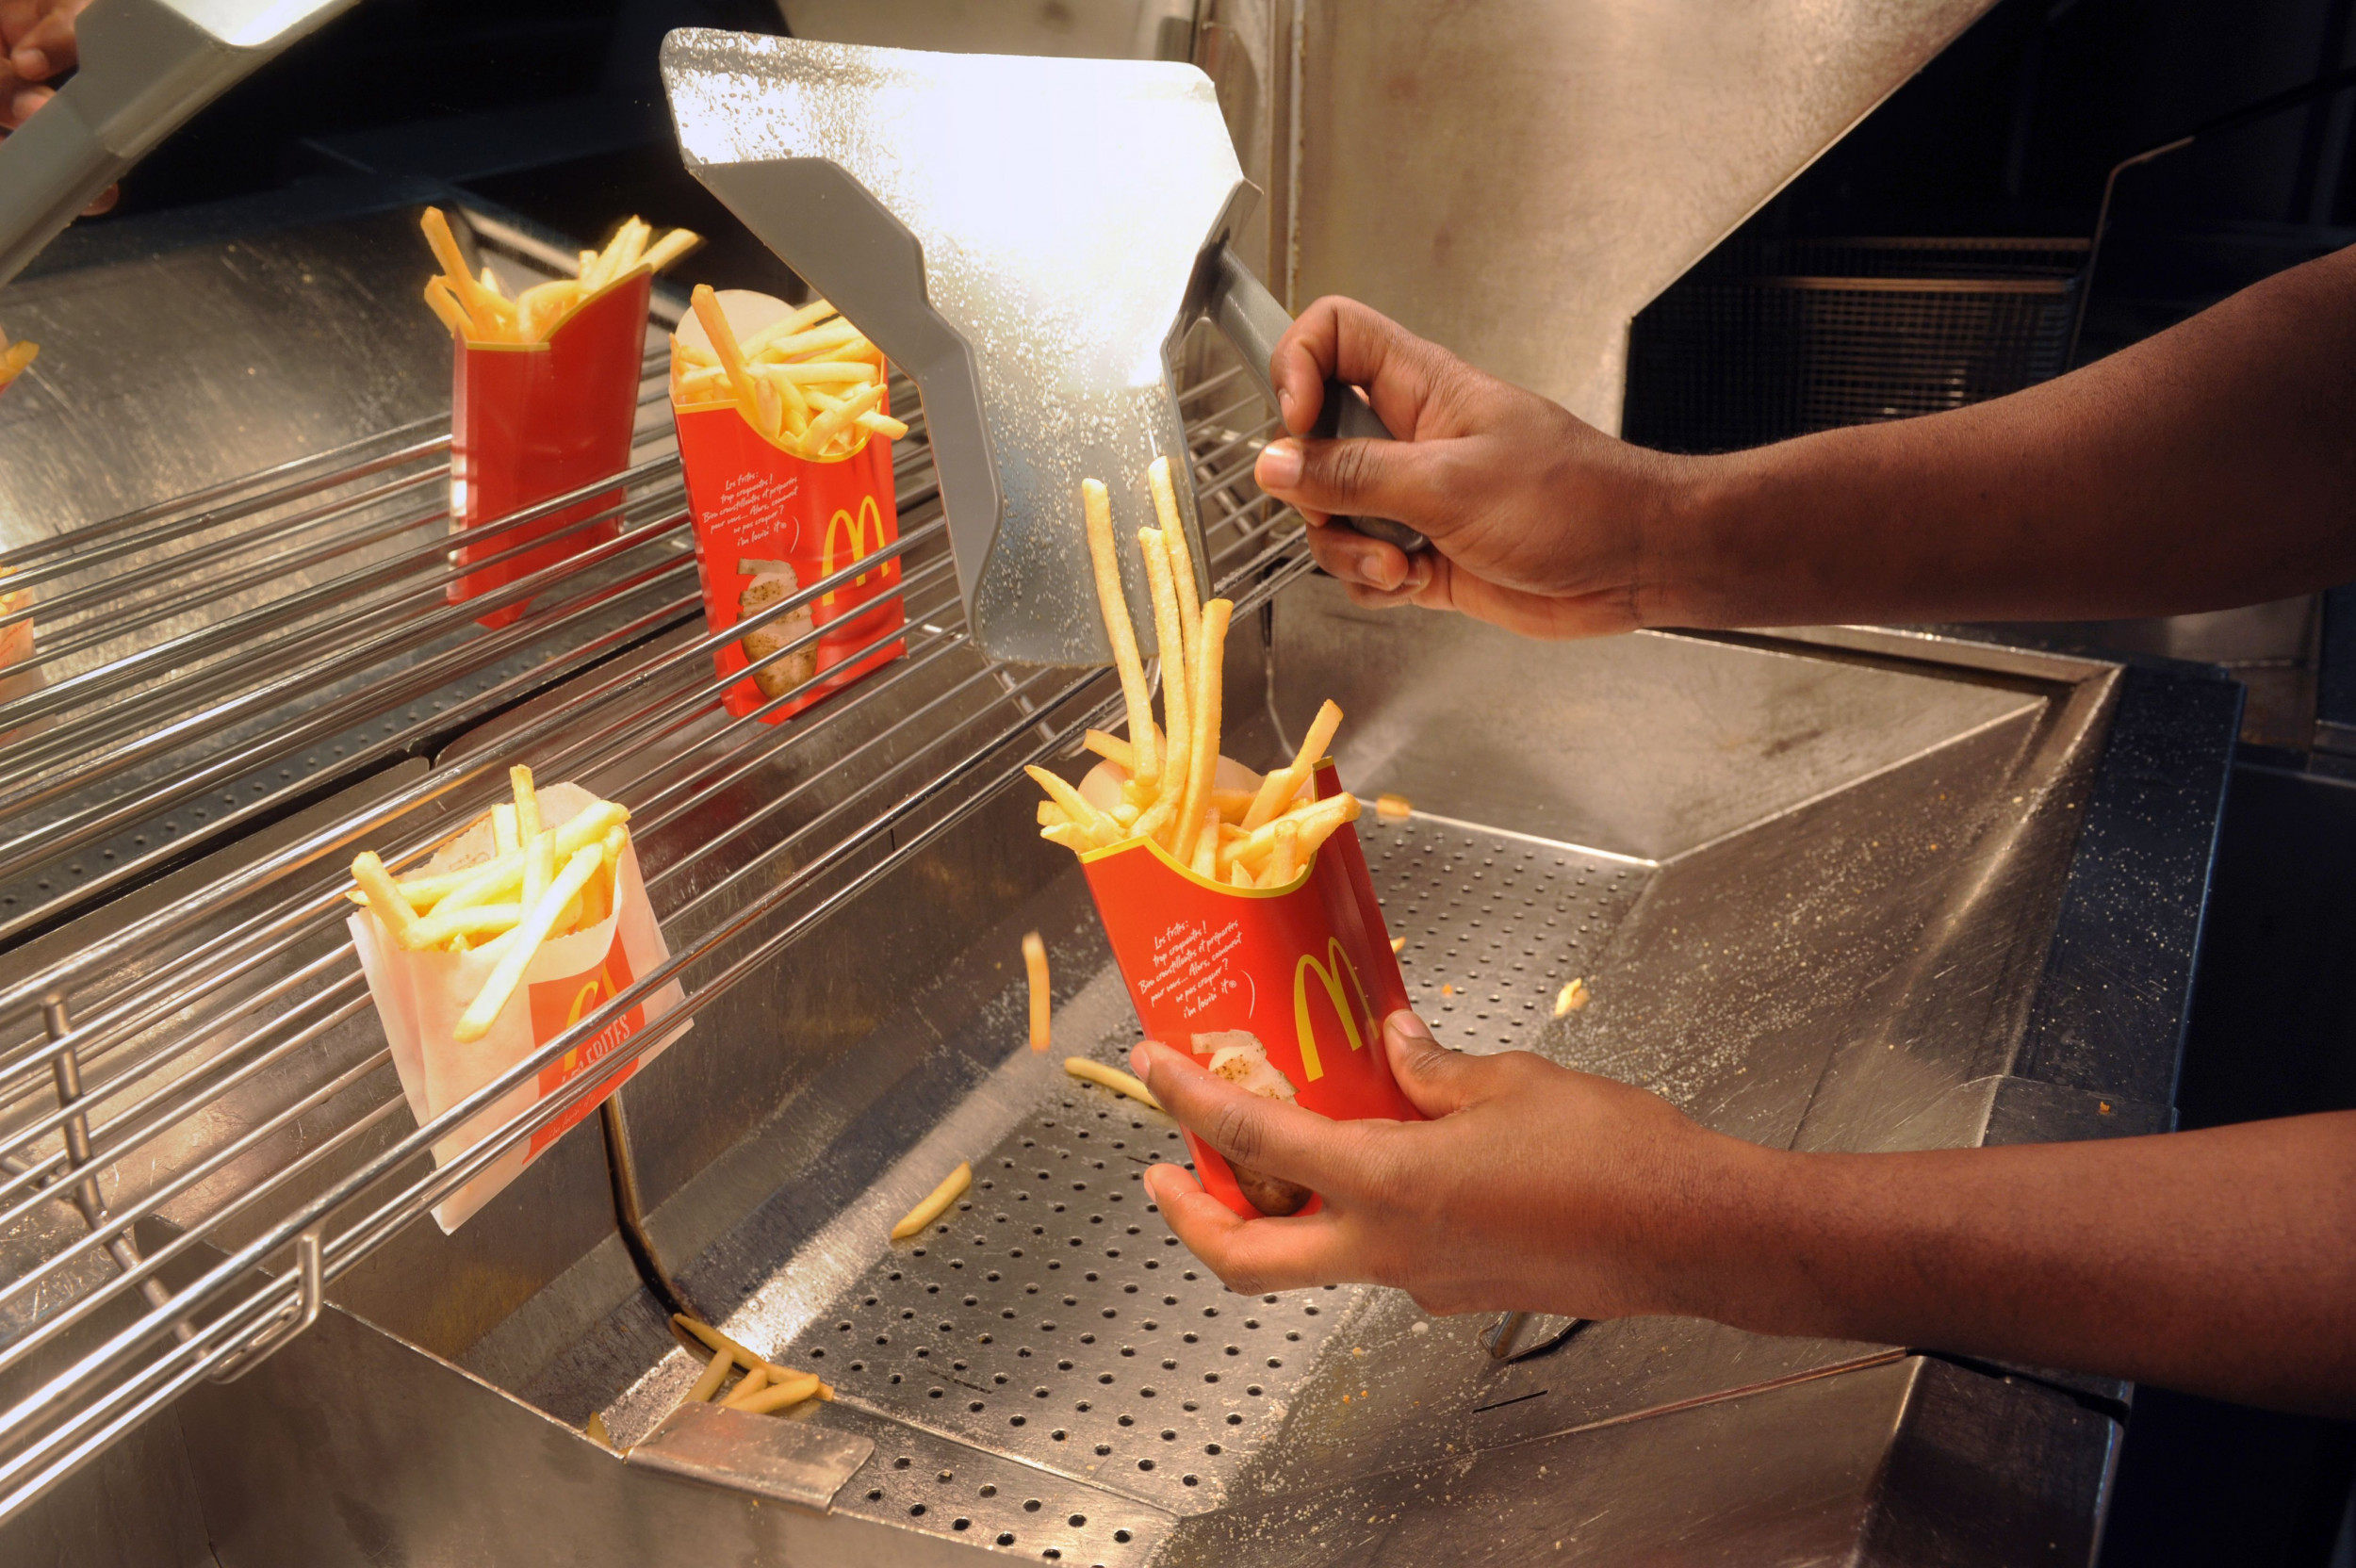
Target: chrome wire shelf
x=203, y=1061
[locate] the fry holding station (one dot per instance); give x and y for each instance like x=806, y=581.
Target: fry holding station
x=1842, y=888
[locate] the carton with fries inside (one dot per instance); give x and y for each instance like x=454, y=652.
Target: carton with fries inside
x=513, y=931
x=1238, y=907
x=785, y=432
x=544, y=393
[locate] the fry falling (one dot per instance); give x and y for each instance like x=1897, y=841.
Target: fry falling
x=1035, y=960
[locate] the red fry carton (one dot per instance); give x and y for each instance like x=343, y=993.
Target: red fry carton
x=1282, y=989
x=770, y=522
x=531, y=421
x=420, y=996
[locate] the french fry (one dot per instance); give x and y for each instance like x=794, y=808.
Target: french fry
x=1174, y=539
x=539, y=867
x=794, y=322
x=440, y=301
x=1284, y=858
x=453, y=264
x=823, y=371
x=14, y=357
x=670, y=249
x=505, y=873
x=1240, y=877
x=1070, y=835
x=541, y=306
x=1114, y=606
x=533, y=929
x=1125, y=814
x=1232, y=804
x=1571, y=998
x=1050, y=814
x=1317, y=817
x=477, y=919
x=503, y=829
x=1210, y=656
x=750, y=1385
x=1091, y=821
x=1206, y=859
x=881, y=424
x=1177, y=683
x=715, y=1372
x=824, y=429
x=1112, y=748
x=936, y=1203
x=1042, y=1002
x=1111, y=1078
x=781, y=1393
x=724, y=345
x=384, y=897
x=1391, y=808
x=1286, y=782
x=526, y=803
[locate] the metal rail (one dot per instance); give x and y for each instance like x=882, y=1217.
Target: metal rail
x=120, y=1054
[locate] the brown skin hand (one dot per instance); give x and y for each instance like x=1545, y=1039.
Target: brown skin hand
x=2205, y=467
x=2220, y=1262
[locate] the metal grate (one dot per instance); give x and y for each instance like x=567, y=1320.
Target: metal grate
x=1770, y=338
x=209, y=1058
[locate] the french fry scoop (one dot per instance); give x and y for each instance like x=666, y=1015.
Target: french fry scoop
x=1029, y=239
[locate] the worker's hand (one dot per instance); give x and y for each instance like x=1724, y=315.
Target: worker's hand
x=1538, y=521
x=38, y=45
x=1533, y=1187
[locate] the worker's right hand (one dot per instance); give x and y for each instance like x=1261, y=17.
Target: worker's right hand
x=1538, y=521
x=39, y=43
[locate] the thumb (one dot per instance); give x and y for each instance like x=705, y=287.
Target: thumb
x=1399, y=479
x=1434, y=1078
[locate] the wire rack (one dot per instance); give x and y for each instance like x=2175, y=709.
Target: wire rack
x=239, y=688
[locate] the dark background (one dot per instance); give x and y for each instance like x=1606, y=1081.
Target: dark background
x=551, y=108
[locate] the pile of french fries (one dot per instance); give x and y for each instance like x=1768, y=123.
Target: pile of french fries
x=478, y=309
x=765, y=1388
x=14, y=357
x=1258, y=837
x=808, y=381
x=541, y=883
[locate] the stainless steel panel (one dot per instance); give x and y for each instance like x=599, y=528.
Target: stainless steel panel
x=786, y=1462
x=1517, y=178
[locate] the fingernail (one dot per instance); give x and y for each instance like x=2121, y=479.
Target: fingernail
x=32, y=63
x=1379, y=570
x=1406, y=1023
x=1279, y=468
x=1284, y=405
x=1140, y=1059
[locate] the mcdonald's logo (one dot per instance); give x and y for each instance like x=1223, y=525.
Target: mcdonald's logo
x=853, y=528
x=1330, y=976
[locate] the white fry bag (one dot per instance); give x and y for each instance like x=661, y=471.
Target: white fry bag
x=420, y=997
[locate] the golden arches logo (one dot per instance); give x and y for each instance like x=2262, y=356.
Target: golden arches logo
x=593, y=991
x=1330, y=975
x=854, y=525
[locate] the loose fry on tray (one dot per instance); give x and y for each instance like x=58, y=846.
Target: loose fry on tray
x=750, y=1385
x=1111, y=1078
x=1391, y=808
x=935, y=1205
x=1571, y=998
x=531, y=932
x=781, y=1393
x=1035, y=961
x=1113, y=605
x=715, y=1372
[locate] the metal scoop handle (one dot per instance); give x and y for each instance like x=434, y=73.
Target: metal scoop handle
x=1249, y=317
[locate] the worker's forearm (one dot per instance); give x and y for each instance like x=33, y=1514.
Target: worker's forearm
x=2212, y=466
x=2220, y=1262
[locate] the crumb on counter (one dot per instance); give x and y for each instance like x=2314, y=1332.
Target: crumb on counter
x=1571, y=998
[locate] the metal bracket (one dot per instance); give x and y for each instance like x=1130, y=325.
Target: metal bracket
x=629, y=1218
x=310, y=1298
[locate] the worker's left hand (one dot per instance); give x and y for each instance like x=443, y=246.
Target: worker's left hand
x=1533, y=1187
x=38, y=45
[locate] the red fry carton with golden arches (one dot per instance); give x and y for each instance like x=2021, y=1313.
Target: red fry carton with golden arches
x=770, y=522
x=1304, y=971
x=531, y=421
x=420, y=996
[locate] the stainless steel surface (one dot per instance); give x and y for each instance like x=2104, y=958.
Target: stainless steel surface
x=788, y=1462
x=1517, y=178
x=1021, y=236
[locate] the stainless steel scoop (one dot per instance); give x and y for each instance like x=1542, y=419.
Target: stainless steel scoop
x=1029, y=239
